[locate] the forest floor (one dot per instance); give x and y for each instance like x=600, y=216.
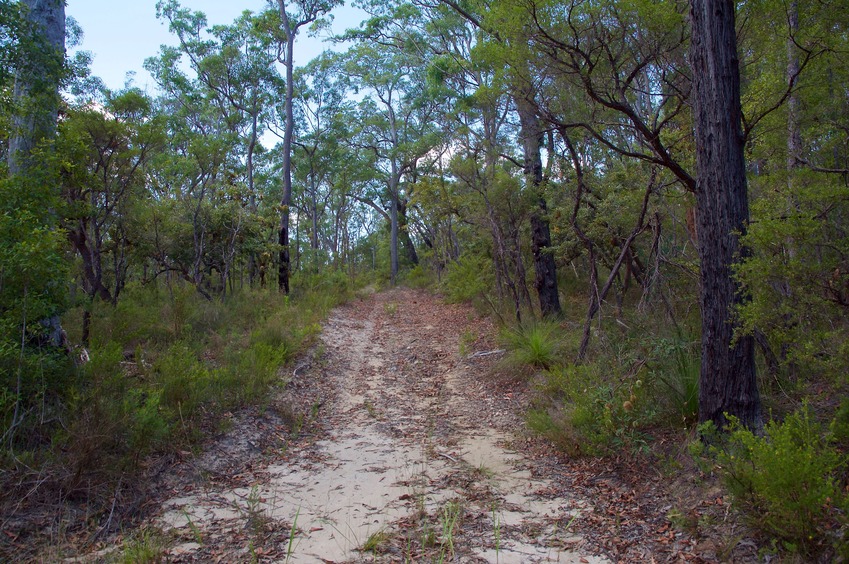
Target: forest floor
x=396, y=440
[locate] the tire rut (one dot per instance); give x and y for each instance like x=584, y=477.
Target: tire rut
x=415, y=461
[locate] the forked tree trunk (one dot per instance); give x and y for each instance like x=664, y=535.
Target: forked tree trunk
x=728, y=384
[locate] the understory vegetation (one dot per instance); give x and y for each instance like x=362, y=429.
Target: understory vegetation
x=163, y=369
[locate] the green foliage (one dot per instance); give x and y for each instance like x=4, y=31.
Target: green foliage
x=184, y=381
x=146, y=391
x=798, y=275
x=676, y=367
x=787, y=482
x=144, y=547
x=537, y=345
x=585, y=415
x=419, y=277
x=467, y=279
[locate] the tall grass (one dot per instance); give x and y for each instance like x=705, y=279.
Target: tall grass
x=537, y=345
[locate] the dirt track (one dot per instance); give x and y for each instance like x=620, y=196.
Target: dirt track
x=407, y=453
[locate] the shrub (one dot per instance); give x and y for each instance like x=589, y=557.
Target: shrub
x=419, y=277
x=183, y=379
x=786, y=482
x=677, y=368
x=799, y=302
x=147, y=429
x=249, y=373
x=467, y=279
x=585, y=415
x=536, y=345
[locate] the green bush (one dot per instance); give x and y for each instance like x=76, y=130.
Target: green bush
x=249, y=373
x=467, y=279
x=797, y=301
x=786, y=482
x=184, y=381
x=537, y=345
x=419, y=277
x=676, y=369
x=148, y=429
x=585, y=415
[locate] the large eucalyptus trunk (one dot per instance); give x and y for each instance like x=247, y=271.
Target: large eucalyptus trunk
x=393, y=227
x=284, y=264
x=544, y=265
x=728, y=385
x=37, y=86
x=36, y=97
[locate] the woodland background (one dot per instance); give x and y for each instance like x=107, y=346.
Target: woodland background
x=547, y=160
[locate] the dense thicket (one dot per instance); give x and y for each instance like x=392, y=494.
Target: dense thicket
x=648, y=175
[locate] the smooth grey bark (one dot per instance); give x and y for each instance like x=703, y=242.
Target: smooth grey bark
x=290, y=29
x=308, y=12
x=36, y=93
x=728, y=384
x=794, y=130
x=284, y=267
x=394, y=181
x=37, y=88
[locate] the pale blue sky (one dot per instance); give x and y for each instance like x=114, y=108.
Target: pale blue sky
x=121, y=34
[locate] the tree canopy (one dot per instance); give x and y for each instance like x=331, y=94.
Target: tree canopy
x=644, y=174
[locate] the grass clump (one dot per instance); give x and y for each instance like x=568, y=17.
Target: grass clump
x=145, y=547
x=787, y=482
x=675, y=368
x=375, y=543
x=537, y=345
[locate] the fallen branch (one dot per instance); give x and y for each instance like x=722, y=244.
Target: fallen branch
x=449, y=457
x=487, y=353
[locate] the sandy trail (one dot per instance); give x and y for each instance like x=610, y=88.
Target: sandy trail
x=413, y=461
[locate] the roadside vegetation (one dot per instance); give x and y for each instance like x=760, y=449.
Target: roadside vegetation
x=548, y=161
x=635, y=395
x=163, y=368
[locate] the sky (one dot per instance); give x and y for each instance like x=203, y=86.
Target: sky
x=121, y=34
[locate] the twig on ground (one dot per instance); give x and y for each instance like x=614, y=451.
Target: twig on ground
x=449, y=457
x=486, y=353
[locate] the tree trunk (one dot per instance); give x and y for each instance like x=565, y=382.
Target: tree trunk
x=794, y=130
x=284, y=265
x=393, y=238
x=394, y=180
x=38, y=95
x=728, y=383
x=544, y=265
x=36, y=91
x=252, y=258
x=404, y=233
x=284, y=259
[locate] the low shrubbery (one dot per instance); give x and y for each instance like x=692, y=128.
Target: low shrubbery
x=467, y=280
x=165, y=365
x=613, y=399
x=586, y=415
x=787, y=483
